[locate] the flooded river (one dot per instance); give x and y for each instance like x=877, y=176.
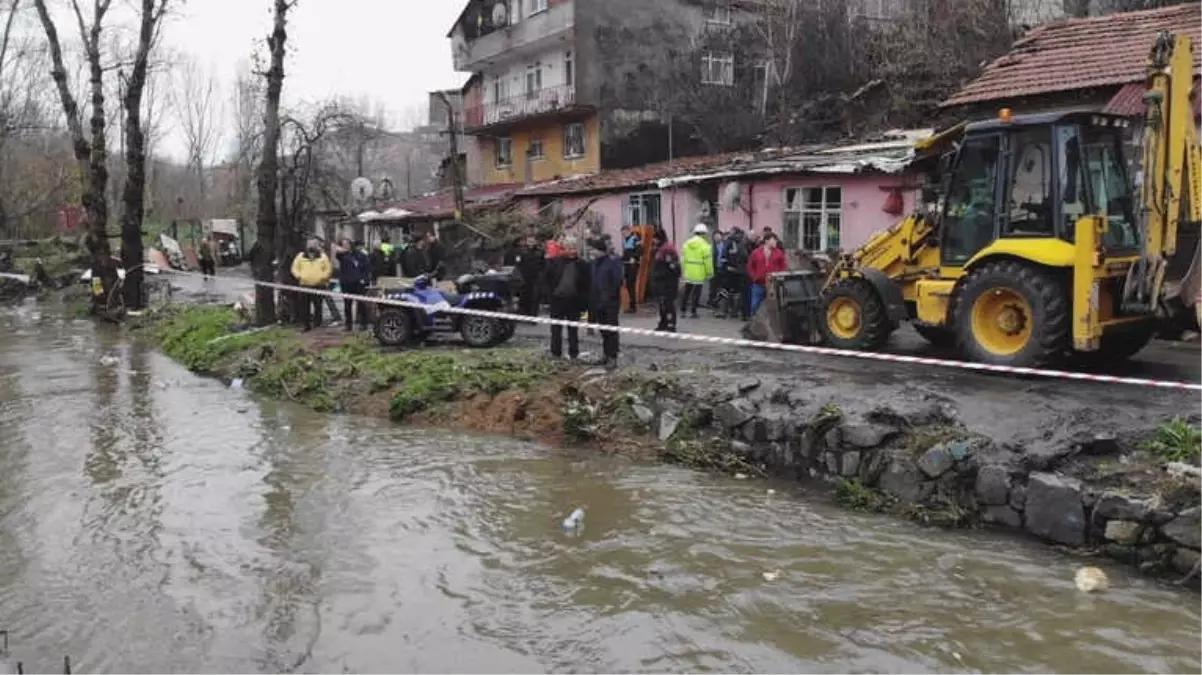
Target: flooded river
x=153, y=521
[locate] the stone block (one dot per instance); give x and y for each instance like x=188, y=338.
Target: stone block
x=1018, y=496
x=644, y=414
x=1054, y=510
x=1184, y=560
x=736, y=413
x=850, y=464
x=668, y=424
x=1002, y=515
x=1123, y=531
x=936, y=461
x=832, y=463
x=1185, y=528
x=867, y=436
x=993, y=485
x=903, y=481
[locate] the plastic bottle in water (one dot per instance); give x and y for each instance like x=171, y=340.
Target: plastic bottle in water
x=575, y=520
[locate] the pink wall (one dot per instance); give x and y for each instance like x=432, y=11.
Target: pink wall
x=863, y=203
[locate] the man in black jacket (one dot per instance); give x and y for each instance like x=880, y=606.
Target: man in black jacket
x=605, y=297
x=566, y=284
x=530, y=262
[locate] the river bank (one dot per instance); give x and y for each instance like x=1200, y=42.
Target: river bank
x=1081, y=483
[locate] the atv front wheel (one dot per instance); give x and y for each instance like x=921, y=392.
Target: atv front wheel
x=394, y=327
x=480, y=331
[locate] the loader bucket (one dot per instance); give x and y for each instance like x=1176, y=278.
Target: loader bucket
x=1183, y=281
x=789, y=313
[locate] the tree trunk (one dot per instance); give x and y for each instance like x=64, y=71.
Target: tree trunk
x=269, y=167
x=133, y=198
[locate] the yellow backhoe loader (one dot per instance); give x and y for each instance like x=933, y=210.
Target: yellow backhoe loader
x=1041, y=245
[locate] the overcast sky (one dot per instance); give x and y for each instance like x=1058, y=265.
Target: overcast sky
x=391, y=51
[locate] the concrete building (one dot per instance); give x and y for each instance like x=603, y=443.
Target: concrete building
x=544, y=101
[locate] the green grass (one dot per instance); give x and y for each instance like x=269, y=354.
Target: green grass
x=1175, y=441
x=853, y=494
x=200, y=337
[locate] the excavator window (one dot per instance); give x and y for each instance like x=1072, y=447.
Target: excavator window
x=1110, y=187
x=970, y=210
x=1029, y=201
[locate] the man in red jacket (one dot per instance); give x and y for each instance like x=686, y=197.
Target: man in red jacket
x=764, y=260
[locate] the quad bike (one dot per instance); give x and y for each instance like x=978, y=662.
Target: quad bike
x=396, y=326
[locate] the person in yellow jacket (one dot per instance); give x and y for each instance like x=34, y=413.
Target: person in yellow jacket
x=697, y=263
x=312, y=269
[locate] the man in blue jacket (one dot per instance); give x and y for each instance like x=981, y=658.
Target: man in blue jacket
x=354, y=273
x=605, y=297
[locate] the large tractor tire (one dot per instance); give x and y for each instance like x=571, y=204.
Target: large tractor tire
x=1119, y=344
x=1009, y=313
x=853, y=316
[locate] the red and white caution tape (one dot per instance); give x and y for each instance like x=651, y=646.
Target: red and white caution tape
x=732, y=342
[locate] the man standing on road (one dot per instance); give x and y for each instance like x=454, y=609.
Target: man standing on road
x=765, y=260
x=665, y=281
x=531, y=263
x=312, y=269
x=208, y=257
x=734, y=272
x=716, y=284
x=566, y=283
x=697, y=261
x=605, y=297
x=632, y=257
x=354, y=272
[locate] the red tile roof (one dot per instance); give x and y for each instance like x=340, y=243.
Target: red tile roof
x=616, y=179
x=1129, y=101
x=1105, y=51
x=442, y=204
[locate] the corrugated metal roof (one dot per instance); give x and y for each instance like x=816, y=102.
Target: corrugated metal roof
x=1076, y=54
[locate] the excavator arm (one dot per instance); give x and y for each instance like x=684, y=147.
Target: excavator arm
x=1170, y=193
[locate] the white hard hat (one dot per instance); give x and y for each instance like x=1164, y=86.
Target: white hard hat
x=700, y=228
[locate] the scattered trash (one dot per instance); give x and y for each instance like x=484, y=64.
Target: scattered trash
x=1091, y=580
x=740, y=476
x=109, y=361
x=771, y=491
x=243, y=409
x=574, y=521
x=236, y=383
x=956, y=656
x=772, y=576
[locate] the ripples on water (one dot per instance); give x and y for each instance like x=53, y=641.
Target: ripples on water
x=154, y=521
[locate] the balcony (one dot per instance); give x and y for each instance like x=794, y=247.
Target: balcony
x=474, y=49
x=493, y=115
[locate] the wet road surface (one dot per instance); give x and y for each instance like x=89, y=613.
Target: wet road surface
x=154, y=521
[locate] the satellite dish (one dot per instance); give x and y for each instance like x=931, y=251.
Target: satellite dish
x=361, y=189
x=732, y=195
x=384, y=188
x=500, y=14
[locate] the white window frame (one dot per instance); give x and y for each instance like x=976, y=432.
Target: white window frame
x=718, y=69
x=828, y=237
x=567, y=152
x=504, y=142
x=637, y=201
x=500, y=89
x=535, y=6
x=542, y=153
x=719, y=13
x=534, y=71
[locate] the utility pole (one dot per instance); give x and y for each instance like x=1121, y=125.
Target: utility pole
x=456, y=178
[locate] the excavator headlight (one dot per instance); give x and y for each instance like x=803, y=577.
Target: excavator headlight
x=1005, y=115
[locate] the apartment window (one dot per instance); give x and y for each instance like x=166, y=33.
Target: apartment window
x=504, y=152
x=500, y=90
x=569, y=71
x=643, y=209
x=719, y=12
x=717, y=69
x=813, y=218
x=573, y=140
x=535, y=151
x=535, y=6
x=534, y=80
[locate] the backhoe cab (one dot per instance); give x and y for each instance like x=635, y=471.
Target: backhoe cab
x=1037, y=246
x=993, y=270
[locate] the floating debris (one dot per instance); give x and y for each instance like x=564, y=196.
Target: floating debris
x=236, y=383
x=574, y=521
x=109, y=361
x=1091, y=580
x=772, y=576
x=740, y=476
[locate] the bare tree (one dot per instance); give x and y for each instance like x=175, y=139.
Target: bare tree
x=194, y=98
x=90, y=149
x=248, y=141
x=133, y=199
x=265, y=229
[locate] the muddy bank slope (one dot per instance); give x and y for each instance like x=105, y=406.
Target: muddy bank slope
x=1110, y=480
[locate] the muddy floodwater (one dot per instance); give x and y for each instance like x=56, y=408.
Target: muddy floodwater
x=154, y=521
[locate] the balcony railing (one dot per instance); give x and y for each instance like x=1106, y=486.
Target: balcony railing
x=538, y=102
x=534, y=32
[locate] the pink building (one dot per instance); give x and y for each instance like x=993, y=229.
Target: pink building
x=816, y=199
